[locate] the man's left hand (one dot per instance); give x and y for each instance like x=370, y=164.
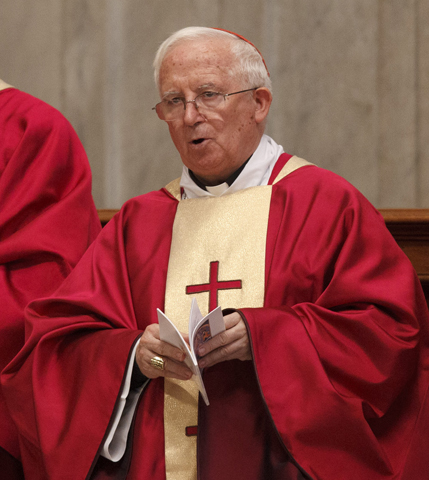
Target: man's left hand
x=231, y=344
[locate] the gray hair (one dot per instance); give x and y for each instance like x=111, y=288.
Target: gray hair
x=250, y=65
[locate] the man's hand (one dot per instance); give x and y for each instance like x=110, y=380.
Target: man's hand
x=151, y=346
x=231, y=344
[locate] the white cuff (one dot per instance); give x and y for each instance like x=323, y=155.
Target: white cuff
x=116, y=442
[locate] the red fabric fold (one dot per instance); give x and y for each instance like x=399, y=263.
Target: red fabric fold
x=47, y=217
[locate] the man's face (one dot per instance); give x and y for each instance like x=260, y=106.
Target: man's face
x=213, y=144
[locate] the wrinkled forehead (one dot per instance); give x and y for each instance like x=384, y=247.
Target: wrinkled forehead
x=209, y=60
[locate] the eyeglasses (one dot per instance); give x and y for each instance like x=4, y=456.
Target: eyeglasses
x=170, y=109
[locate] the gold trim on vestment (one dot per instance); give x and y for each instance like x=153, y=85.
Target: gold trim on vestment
x=293, y=164
x=174, y=188
x=4, y=85
x=232, y=230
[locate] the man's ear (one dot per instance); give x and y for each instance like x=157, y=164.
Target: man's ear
x=263, y=99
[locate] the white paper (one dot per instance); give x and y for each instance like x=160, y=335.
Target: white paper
x=201, y=329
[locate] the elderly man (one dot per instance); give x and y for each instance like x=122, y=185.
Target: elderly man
x=322, y=371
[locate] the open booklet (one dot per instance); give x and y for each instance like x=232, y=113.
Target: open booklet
x=201, y=329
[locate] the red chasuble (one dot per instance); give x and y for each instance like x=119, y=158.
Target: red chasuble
x=337, y=386
x=47, y=220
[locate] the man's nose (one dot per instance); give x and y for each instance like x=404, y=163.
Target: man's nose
x=192, y=115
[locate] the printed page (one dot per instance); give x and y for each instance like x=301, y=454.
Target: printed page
x=203, y=329
x=200, y=330
x=169, y=333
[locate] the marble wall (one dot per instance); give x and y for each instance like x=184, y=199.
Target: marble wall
x=351, y=83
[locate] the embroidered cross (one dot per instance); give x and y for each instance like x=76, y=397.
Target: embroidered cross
x=213, y=286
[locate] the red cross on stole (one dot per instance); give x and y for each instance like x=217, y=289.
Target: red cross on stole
x=213, y=286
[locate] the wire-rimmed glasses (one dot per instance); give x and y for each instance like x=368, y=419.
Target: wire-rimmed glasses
x=172, y=108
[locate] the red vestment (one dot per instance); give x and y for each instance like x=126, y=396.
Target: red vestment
x=47, y=217
x=340, y=350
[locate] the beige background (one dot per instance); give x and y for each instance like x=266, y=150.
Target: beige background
x=351, y=83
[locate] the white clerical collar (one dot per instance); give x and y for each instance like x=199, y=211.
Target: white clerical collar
x=256, y=172
x=217, y=190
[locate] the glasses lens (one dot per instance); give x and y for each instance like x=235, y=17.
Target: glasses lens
x=160, y=111
x=209, y=99
x=168, y=110
x=172, y=109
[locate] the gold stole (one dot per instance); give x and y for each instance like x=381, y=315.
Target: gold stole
x=4, y=85
x=232, y=231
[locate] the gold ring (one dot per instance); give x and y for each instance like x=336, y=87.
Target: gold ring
x=157, y=362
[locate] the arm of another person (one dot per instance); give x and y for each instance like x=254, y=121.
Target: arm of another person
x=47, y=220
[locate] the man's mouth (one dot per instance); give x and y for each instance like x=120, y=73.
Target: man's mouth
x=197, y=141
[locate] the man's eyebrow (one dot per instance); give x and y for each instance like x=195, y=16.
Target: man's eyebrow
x=167, y=94
x=205, y=86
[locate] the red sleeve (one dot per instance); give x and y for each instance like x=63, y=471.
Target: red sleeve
x=341, y=347
x=66, y=382
x=47, y=216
